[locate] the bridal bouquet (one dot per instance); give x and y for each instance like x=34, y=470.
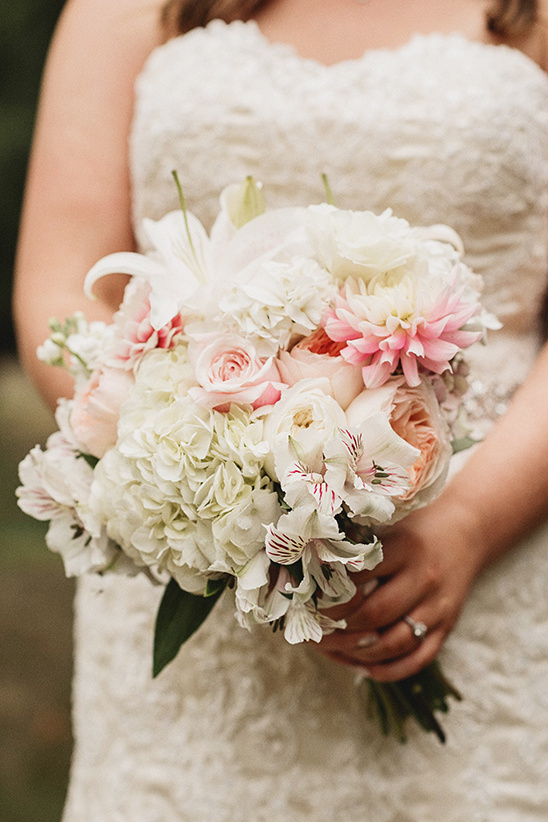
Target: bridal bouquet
x=265, y=398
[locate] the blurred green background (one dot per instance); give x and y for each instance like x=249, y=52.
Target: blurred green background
x=35, y=597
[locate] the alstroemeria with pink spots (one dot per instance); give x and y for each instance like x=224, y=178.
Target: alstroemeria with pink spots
x=135, y=334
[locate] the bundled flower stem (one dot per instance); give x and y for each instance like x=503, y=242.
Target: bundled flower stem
x=419, y=697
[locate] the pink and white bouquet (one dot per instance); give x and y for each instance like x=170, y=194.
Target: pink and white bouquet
x=265, y=398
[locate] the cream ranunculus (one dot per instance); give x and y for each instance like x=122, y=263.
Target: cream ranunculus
x=416, y=417
x=318, y=356
x=304, y=418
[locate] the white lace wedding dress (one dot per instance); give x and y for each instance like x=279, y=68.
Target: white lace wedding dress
x=242, y=727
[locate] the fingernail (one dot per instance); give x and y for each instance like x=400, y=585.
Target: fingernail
x=369, y=586
x=367, y=640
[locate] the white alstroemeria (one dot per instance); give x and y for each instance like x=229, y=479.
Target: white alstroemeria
x=303, y=486
x=304, y=532
x=303, y=622
x=56, y=486
x=184, y=259
x=260, y=598
x=367, y=465
x=327, y=584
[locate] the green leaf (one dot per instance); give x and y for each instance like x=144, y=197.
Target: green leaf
x=91, y=461
x=215, y=586
x=179, y=615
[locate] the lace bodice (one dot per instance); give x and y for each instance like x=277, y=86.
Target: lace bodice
x=440, y=130
x=242, y=726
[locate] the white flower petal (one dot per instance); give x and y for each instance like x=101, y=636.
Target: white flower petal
x=301, y=624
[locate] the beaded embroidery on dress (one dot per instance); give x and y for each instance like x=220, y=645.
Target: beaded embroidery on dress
x=242, y=726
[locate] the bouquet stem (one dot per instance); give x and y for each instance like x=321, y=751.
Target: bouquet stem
x=420, y=696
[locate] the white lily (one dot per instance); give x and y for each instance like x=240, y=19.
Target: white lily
x=184, y=259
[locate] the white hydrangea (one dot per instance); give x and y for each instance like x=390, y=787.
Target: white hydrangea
x=184, y=490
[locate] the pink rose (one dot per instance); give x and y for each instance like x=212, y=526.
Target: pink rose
x=416, y=417
x=317, y=356
x=96, y=409
x=229, y=371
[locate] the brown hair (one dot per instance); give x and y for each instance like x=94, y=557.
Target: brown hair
x=506, y=18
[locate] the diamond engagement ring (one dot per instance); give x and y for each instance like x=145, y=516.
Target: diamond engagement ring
x=419, y=628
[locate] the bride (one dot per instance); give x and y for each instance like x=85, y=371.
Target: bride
x=439, y=110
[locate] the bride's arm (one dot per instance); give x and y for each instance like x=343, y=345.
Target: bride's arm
x=77, y=200
x=433, y=556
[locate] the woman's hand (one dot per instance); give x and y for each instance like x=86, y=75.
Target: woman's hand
x=430, y=561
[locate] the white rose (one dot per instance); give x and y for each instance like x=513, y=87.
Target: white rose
x=360, y=243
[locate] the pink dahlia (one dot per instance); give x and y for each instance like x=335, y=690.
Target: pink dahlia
x=403, y=321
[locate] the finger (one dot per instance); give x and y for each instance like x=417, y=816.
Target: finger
x=363, y=590
x=386, y=604
x=395, y=669
x=410, y=664
x=395, y=642
x=379, y=647
x=394, y=558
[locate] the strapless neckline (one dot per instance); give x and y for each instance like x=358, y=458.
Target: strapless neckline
x=253, y=35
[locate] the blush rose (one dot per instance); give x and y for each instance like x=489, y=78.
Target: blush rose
x=229, y=370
